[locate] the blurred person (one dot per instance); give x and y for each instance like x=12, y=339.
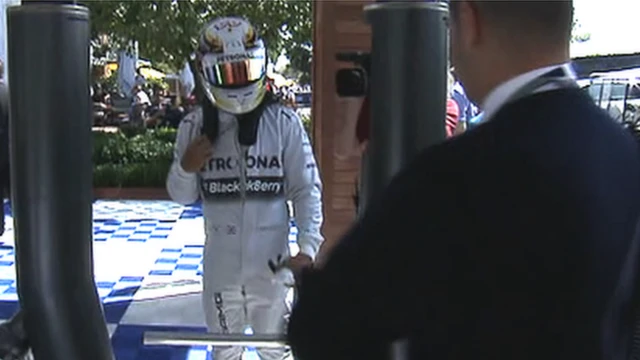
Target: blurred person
x=545, y=265
x=100, y=95
x=466, y=108
x=353, y=136
x=453, y=113
x=140, y=97
x=188, y=103
x=101, y=105
x=140, y=80
x=245, y=155
x=173, y=114
x=139, y=106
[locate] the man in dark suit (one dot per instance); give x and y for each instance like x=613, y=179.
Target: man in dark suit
x=511, y=241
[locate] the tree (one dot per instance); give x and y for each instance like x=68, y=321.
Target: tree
x=578, y=34
x=166, y=31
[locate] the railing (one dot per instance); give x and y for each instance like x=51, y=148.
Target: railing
x=156, y=338
x=162, y=338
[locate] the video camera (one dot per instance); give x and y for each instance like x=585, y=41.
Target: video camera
x=353, y=82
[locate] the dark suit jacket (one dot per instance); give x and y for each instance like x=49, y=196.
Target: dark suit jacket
x=508, y=242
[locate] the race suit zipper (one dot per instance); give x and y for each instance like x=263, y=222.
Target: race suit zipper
x=243, y=150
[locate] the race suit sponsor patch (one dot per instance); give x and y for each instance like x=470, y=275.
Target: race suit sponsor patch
x=232, y=188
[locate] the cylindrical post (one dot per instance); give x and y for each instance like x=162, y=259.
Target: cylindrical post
x=52, y=180
x=408, y=86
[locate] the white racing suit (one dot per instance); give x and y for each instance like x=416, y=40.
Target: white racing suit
x=246, y=226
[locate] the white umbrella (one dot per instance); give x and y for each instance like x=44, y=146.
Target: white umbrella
x=187, y=79
x=126, y=71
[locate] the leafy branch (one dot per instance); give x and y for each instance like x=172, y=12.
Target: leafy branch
x=166, y=31
x=577, y=34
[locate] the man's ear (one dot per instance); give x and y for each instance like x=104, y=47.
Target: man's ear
x=469, y=24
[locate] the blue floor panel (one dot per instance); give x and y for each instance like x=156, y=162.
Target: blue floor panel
x=146, y=253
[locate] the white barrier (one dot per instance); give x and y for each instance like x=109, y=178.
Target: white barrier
x=155, y=338
x=399, y=350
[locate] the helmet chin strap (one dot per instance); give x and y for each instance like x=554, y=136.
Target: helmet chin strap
x=210, y=120
x=247, y=123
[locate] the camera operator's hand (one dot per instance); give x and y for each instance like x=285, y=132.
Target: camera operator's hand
x=197, y=154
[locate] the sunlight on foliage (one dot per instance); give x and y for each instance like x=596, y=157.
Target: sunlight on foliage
x=166, y=30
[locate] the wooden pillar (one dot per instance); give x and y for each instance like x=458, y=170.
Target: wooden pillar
x=338, y=26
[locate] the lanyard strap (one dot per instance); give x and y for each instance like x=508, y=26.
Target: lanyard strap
x=558, y=78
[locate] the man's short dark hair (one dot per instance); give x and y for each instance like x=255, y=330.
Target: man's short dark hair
x=548, y=20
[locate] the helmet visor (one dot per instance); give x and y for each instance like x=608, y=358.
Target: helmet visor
x=236, y=70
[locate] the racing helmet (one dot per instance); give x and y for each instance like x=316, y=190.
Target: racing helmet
x=232, y=63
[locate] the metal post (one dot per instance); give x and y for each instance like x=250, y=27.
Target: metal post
x=408, y=86
x=51, y=173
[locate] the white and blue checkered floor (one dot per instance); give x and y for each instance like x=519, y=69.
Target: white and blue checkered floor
x=148, y=266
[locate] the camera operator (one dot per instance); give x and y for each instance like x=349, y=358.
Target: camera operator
x=353, y=135
x=352, y=138
x=348, y=143
x=467, y=109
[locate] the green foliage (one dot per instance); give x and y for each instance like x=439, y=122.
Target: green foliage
x=128, y=131
x=166, y=30
x=152, y=83
x=152, y=175
x=138, y=157
x=308, y=125
x=123, y=148
x=109, y=83
x=165, y=134
x=578, y=34
x=132, y=158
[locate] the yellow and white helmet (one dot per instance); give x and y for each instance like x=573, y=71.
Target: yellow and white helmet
x=232, y=61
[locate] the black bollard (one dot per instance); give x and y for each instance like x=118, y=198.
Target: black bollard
x=51, y=172
x=408, y=86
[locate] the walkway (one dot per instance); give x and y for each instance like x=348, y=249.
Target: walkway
x=148, y=267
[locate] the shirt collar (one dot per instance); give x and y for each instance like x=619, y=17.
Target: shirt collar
x=498, y=97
